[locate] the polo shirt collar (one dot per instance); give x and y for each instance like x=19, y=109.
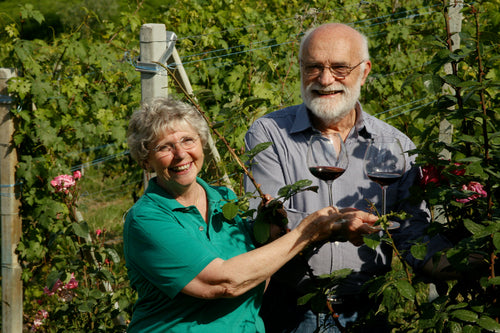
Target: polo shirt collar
x=214, y=198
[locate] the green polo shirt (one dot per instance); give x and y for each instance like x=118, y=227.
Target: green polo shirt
x=166, y=245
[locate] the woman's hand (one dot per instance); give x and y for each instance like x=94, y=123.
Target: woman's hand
x=273, y=213
x=331, y=223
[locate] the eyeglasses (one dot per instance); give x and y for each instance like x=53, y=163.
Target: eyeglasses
x=186, y=143
x=338, y=72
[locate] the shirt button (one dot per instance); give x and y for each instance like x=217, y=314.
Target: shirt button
x=201, y=228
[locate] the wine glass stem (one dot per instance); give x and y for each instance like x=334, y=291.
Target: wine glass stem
x=383, y=199
x=330, y=195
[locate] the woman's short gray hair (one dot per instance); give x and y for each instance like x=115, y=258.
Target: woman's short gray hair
x=148, y=124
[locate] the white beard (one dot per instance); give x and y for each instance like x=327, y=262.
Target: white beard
x=331, y=110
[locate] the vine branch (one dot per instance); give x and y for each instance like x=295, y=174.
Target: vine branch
x=219, y=135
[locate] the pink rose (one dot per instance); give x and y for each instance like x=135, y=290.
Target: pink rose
x=43, y=313
x=62, y=183
x=77, y=175
x=473, y=187
x=98, y=232
x=73, y=283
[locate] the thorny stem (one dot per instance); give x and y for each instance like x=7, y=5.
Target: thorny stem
x=400, y=257
x=393, y=245
x=484, y=109
x=220, y=136
x=481, y=74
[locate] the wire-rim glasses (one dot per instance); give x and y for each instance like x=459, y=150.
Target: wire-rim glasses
x=186, y=143
x=338, y=72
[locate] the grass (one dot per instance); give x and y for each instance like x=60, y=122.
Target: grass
x=105, y=199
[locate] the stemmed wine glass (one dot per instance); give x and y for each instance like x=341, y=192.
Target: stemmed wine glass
x=384, y=163
x=327, y=158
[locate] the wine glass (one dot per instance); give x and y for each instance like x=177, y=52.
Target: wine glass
x=384, y=163
x=327, y=158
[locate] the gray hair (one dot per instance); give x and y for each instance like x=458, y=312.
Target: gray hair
x=148, y=124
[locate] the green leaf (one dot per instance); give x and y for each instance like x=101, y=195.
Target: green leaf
x=474, y=228
x=489, y=324
x=419, y=251
x=81, y=229
x=304, y=299
x=454, y=327
x=494, y=281
x=452, y=80
x=465, y=315
x=372, y=240
x=86, y=306
x=257, y=149
x=113, y=255
x=230, y=210
x=261, y=231
x=496, y=240
x=405, y=289
x=52, y=278
x=96, y=294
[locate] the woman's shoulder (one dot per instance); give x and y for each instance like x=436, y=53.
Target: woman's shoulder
x=220, y=190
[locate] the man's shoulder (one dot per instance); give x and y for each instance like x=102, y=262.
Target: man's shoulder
x=286, y=114
x=379, y=127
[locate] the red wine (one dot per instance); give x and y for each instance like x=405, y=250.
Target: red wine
x=384, y=178
x=326, y=172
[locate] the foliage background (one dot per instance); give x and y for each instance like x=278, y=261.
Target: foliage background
x=78, y=85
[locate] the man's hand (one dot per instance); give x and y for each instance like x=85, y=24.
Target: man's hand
x=356, y=224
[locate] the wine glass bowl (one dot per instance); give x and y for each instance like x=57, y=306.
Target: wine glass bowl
x=384, y=163
x=327, y=159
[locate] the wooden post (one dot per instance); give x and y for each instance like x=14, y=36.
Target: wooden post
x=153, y=42
x=445, y=127
x=455, y=26
x=12, y=296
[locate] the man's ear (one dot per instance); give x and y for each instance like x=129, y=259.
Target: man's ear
x=368, y=68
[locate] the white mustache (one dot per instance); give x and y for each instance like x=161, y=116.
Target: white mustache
x=330, y=88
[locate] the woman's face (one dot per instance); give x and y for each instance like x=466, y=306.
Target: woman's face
x=177, y=158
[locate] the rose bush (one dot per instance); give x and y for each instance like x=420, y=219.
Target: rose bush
x=83, y=275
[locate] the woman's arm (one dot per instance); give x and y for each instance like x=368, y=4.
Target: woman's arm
x=234, y=277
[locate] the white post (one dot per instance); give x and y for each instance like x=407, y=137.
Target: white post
x=153, y=41
x=12, y=288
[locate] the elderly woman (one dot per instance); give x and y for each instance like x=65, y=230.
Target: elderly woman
x=194, y=270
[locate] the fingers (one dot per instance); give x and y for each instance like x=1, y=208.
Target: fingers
x=365, y=217
x=266, y=199
x=358, y=224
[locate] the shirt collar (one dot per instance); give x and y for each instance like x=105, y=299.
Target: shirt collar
x=302, y=121
x=214, y=198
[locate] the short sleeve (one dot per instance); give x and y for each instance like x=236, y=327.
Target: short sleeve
x=157, y=249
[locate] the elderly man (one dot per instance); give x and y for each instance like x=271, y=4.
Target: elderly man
x=334, y=62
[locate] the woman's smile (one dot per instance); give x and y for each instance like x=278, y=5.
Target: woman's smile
x=181, y=168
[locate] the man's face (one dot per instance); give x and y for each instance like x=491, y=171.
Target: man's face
x=328, y=96
x=332, y=102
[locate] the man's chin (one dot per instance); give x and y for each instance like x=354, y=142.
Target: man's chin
x=327, y=114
